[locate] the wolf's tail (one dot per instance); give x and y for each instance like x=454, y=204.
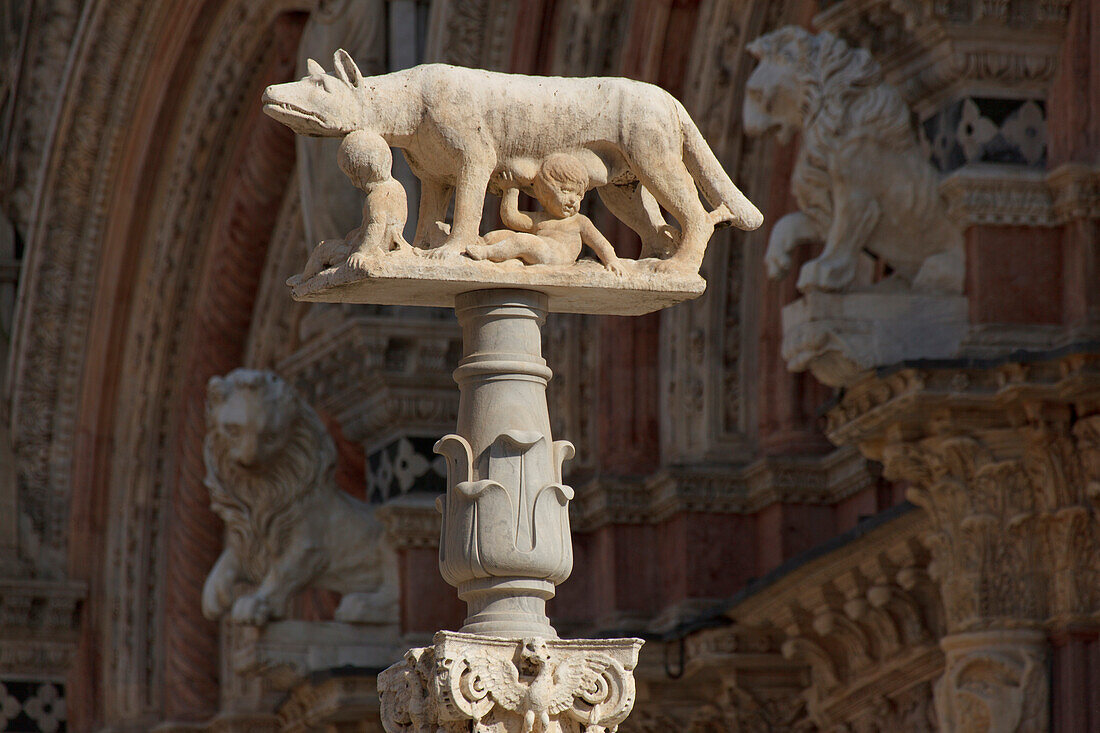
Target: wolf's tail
x=713, y=180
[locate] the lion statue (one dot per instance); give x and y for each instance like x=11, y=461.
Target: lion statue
x=271, y=475
x=860, y=180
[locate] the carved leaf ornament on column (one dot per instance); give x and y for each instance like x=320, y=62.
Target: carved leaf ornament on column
x=537, y=544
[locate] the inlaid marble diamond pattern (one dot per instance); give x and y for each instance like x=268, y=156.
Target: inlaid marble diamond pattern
x=28, y=706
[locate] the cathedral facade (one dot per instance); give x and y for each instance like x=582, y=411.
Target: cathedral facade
x=853, y=487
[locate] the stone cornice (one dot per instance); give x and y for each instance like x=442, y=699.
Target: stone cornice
x=1004, y=457
x=373, y=373
x=745, y=489
x=994, y=195
x=931, y=50
x=411, y=521
x=38, y=622
x=961, y=395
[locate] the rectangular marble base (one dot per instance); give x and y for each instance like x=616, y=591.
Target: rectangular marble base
x=286, y=652
x=409, y=278
x=838, y=336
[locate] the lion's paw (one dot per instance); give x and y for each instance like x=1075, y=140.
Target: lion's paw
x=252, y=610
x=826, y=274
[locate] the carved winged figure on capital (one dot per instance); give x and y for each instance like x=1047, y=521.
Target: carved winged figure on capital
x=532, y=685
x=468, y=132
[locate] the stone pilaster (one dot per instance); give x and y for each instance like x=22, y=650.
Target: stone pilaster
x=1002, y=458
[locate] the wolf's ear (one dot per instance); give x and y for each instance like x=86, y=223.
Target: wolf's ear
x=314, y=68
x=346, y=68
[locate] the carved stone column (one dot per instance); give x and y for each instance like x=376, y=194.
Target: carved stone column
x=1003, y=461
x=505, y=541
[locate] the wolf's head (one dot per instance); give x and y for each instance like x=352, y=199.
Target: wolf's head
x=320, y=104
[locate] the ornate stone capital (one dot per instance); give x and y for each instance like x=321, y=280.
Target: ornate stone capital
x=1003, y=458
x=501, y=684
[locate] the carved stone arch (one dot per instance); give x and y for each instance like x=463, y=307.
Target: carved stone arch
x=126, y=193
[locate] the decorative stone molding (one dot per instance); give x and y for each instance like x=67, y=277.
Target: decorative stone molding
x=473, y=33
x=1015, y=662
x=745, y=489
x=846, y=641
x=411, y=521
x=934, y=51
x=38, y=627
x=371, y=373
x=592, y=38
x=339, y=701
x=839, y=337
x=286, y=653
x=502, y=684
x=983, y=195
x=997, y=456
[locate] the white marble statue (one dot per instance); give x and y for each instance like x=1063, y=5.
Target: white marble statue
x=861, y=180
x=270, y=471
x=555, y=235
x=467, y=131
x=366, y=160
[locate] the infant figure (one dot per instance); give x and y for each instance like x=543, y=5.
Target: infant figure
x=366, y=160
x=555, y=235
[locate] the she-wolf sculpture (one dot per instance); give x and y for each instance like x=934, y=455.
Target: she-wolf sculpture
x=464, y=130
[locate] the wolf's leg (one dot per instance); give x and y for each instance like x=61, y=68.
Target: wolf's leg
x=434, y=196
x=636, y=207
x=677, y=193
x=473, y=179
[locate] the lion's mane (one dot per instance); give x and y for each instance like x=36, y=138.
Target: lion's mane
x=259, y=505
x=843, y=98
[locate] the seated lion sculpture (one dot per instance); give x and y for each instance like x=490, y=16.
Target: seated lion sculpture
x=860, y=180
x=270, y=471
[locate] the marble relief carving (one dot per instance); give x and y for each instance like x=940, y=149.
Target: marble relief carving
x=532, y=685
x=270, y=467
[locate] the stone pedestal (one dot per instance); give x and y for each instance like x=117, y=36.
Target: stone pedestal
x=507, y=685
x=838, y=336
x=505, y=541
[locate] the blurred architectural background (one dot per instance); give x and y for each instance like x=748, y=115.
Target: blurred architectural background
x=749, y=521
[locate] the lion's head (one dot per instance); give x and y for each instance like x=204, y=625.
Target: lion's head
x=265, y=450
x=833, y=94
x=804, y=80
